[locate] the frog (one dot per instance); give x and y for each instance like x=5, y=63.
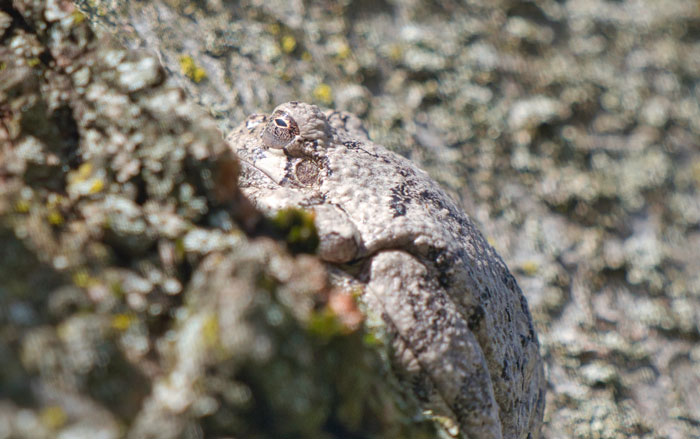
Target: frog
x=461, y=336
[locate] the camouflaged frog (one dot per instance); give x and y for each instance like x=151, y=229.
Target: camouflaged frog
x=461, y=334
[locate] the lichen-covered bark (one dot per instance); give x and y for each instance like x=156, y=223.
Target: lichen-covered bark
x=134, y=301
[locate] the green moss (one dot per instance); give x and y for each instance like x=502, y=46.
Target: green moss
x=371, y=340
x=81, y=278
x=267, y=282
x=117, y=289
x=325, y=324
x=180, y=250
x=297, y=228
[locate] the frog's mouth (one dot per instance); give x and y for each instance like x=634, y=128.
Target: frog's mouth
x=264, y=174
x=281, y=167
x=269, y=164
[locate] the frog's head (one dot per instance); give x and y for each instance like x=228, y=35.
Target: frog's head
x=285, y=159
x=288, y=143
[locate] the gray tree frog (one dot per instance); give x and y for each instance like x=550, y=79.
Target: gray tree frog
x=461, y=333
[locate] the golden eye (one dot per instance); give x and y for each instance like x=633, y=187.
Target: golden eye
x=280, y=131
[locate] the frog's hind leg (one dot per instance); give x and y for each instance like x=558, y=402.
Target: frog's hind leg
x=433, y=347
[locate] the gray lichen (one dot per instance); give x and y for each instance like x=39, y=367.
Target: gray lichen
x=133, y=301
x=594, y=200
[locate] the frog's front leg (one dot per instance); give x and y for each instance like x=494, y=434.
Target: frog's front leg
x=433, y=348
x=339, y=240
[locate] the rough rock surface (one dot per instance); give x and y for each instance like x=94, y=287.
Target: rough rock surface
x=568, y=130
x=133, y=300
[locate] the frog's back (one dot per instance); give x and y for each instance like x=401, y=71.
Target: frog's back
x=401, y=207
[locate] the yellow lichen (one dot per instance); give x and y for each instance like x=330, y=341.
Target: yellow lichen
x=696, y=172
x=55, y=218
x=77, y=16
x=529, y=267
x=395, y=52
x=54, y=200
x=323, y=93
x=274, y=29
x=210, y=330
x=344, y=51
x=190, y=69
x=53, y=417
x=288, y=43
x=33, y=62
x=122, y=322
x=83, y=172
x=81, y=278
x=22, y=206
x=96, y=186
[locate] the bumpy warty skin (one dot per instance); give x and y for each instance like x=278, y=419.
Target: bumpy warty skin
x=462, y=334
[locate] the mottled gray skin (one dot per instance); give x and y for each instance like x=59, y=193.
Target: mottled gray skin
x=460, y=330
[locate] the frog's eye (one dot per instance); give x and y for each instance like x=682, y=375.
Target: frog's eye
x=280, y=131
